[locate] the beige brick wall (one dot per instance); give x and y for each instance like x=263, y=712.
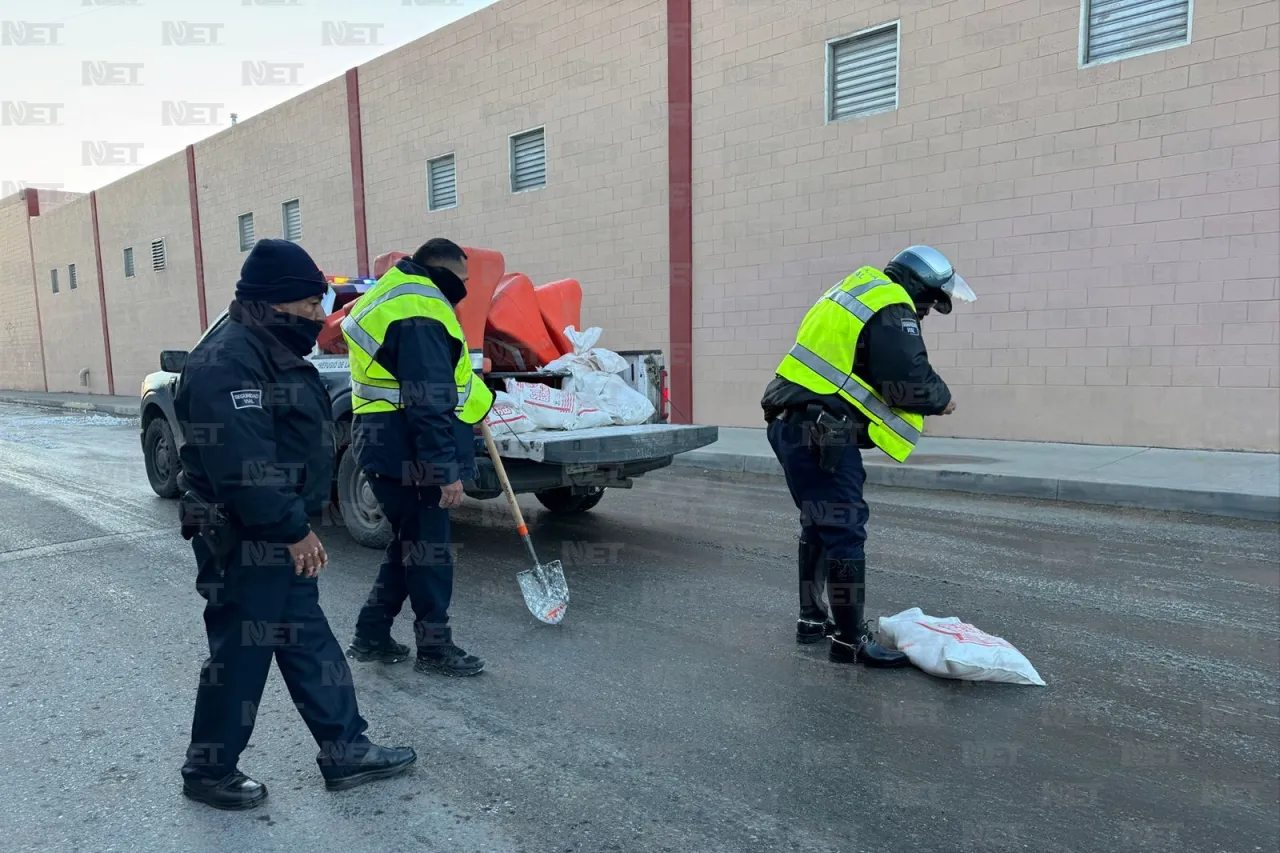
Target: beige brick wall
x=72, y=318
x=153, y=310
x=1120, y=222
x=594, y=75
x=299, y=149
x=20, y=368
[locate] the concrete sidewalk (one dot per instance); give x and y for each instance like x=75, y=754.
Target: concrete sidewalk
x=101, y=403
x=1235, y=485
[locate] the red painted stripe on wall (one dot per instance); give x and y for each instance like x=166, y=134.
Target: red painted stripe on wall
x=357, y=170
x=102, y=292
x=33, y=210
x=680, y=204
x=193, y=191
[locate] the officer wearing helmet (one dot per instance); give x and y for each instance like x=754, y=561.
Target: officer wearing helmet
x=858, y=377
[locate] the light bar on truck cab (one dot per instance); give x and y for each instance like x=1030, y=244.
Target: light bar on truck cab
x=342, y=279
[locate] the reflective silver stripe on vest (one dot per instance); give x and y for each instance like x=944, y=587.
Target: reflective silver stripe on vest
x=362, y=338
x=848, y=300
x=370, y=392
x=373, y=392
x=409, y=288
x=351, y=325
x=392, y=395
x=464, y=393
x=853, y=388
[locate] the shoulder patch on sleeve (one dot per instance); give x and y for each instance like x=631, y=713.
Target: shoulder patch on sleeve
x=910, y=326
x=247, y=399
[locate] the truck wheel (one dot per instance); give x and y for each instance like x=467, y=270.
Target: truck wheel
x=161, y=457
x=564, y=502
x=360, y=511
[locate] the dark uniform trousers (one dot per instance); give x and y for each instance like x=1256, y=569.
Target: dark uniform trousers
x=257, y=609
x=417, y=566
x=832, y=510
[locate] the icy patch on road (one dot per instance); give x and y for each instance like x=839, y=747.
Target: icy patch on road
x=30, y=441
x=8, y=420
x=81, y=420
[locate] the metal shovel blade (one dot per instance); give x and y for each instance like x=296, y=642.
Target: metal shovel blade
x=546, y=592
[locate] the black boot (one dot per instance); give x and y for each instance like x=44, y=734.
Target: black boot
x=853, y=641
x=814, y=624
x=387, y=651
x=447, y=659
x=234, y=792
x=348, y=765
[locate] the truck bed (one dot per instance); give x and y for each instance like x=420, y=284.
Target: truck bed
x=606, y=444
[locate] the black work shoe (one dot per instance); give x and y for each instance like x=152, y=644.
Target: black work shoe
x=447, y=659
x=234, y=792
x=809, y=631
x=387, y=651
x=374, y=763
x=865, y=650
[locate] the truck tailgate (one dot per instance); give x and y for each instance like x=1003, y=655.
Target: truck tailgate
x=603, y=445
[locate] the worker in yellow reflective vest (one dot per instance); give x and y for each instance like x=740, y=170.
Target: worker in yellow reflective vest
x=858, y=377
x=416, y=400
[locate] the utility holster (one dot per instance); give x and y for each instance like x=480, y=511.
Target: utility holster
x=206, y=520
x=829, y=437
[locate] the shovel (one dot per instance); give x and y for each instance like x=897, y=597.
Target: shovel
x=546, y=592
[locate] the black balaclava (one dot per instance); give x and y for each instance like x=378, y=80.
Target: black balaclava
x=298, y=334
x=453, y=288
x=925, y=298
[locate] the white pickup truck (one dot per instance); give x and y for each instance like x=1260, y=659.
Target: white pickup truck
x=567, y=471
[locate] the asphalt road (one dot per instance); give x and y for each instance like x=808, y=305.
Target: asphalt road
x=671, y=711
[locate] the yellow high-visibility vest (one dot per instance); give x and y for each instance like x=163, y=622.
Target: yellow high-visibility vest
x=822, y=358
x=399, y=296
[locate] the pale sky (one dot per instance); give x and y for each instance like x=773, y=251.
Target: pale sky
x=160, y=71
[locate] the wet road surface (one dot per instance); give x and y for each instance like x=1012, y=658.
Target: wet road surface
x=672, y=711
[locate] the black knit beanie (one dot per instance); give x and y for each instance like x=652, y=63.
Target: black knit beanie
x=277, y=272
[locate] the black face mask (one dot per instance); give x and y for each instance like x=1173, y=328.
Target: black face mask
x=298, y=334
x=450, y=285
x=934, y=300
x=294, y=333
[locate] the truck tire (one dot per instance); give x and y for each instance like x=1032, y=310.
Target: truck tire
x=161, y=457
x=360, y=511
x=564, y=502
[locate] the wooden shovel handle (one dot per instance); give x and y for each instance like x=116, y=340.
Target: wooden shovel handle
x=502, y=476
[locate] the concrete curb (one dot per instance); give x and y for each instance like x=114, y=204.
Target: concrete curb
x=113, y=409
x=1253, y=507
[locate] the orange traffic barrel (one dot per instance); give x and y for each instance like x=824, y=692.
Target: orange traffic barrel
x=560, y=303
x=485, y=268
x=515, y=336
x=386, y=261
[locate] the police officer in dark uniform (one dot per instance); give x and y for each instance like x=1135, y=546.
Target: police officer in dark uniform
x=858, y=377
x=416, y=399
x=257, y=468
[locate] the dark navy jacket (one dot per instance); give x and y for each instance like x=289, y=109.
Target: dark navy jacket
x=424, y=443
x=257, y=430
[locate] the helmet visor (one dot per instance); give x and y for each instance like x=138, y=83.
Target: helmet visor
x=958, y=288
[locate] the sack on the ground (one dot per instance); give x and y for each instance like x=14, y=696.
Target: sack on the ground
x=551, y=408
x=506, y=418
x=949, y=648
